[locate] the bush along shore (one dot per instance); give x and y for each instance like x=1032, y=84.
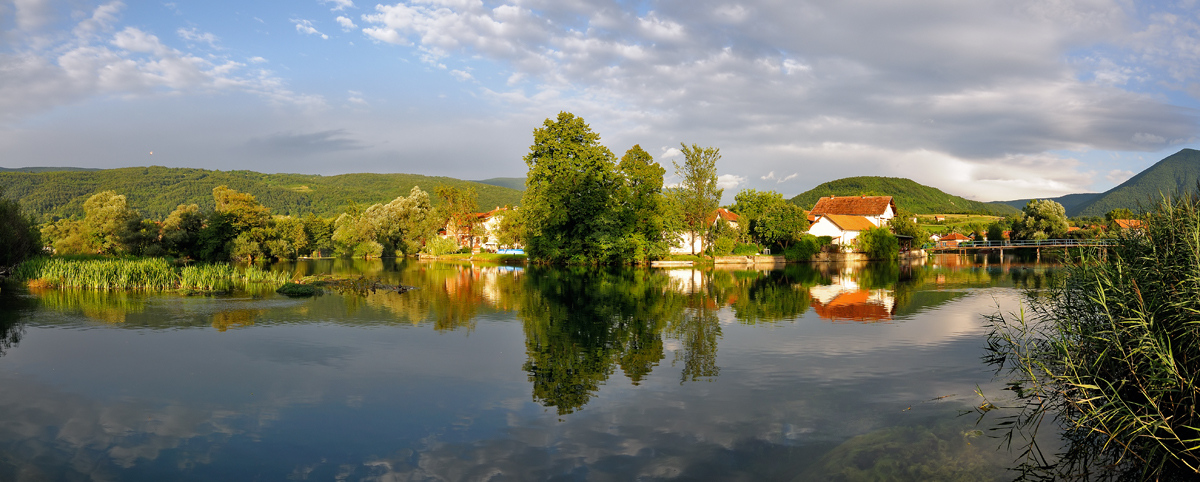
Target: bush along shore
x=1110, y=356
x=142, y=274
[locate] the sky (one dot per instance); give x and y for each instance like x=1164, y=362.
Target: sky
x=989, y=100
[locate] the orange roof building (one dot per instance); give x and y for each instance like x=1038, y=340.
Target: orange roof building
x=843, y=218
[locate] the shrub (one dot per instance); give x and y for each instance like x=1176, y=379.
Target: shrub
x=296, y=290
x=878, y=243
x=743, y=249
x=805, y=248
x=438, y=246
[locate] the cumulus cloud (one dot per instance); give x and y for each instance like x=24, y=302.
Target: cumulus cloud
x=730, y=182
x=128, y=62
x=779, y=180
x=306, y=27
x=346, y=23
x=977, y=83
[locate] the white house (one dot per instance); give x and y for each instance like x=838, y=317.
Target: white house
x=685, y=243
x=844, y=217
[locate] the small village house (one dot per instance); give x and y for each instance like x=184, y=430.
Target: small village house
x=952, y=240
x=844, y=217
x=685, y=243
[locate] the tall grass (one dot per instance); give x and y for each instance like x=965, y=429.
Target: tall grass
x=1112, y=355
x=146, y=274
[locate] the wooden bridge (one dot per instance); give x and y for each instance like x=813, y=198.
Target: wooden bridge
x=1025, y=244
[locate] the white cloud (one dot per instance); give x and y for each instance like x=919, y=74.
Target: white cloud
x=339, y=5
x=461, y=75
x=730, y=182
x=192, y=35
x=346, y=23
x=306, y=27
x=929, y=80
x=257, y=60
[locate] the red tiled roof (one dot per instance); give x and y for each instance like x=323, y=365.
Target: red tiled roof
x=727, y=215
x=954, y=237
x=853, y=205
x=1129, y=223
x=850, y=223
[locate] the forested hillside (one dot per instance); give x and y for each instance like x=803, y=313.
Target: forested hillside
x=156, y=191
x=908, y=194
x=1177, y=173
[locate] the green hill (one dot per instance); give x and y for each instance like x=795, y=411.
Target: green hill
x=517, y=183
x=906, y=193
x=156, y=191
x=1174, y=174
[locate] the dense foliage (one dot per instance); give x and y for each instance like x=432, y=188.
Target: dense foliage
x=1113, y=355
x=915, y=197
x=1041, y=219
x=156, y=191
x=1178, y=172
x=581, y=207
x=19, y=235
x=878, y=243
x=768, y=219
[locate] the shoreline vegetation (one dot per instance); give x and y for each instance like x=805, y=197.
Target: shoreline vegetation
x=1110, y=357
x=142, y=274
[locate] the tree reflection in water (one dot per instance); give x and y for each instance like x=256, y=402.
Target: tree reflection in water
x=12, y=311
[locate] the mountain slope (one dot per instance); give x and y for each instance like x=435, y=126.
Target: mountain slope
x=517, y=183
x=907, y=194
x=1177, y=173
x=1070, y=202
x=156, y=191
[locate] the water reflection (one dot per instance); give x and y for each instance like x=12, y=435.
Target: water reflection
x=530, y=373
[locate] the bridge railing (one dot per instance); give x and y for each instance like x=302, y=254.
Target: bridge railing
x=1057, y=243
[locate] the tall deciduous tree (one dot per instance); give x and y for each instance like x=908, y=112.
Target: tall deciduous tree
x=457, y=212
x=697, y=195
x=646, y=215
x=569, y=204
x=1042, y=219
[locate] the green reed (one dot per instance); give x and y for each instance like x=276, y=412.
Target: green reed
x=1112, y=355
x=145, y=274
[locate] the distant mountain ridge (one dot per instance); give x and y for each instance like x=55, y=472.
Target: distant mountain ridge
x=156, y=190
x=1174, y=174
x=907, y=194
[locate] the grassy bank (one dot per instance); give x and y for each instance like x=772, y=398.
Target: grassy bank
x=142, y=274
x=1111, y=355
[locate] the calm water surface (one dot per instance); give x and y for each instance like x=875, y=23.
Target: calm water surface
x=492, y=372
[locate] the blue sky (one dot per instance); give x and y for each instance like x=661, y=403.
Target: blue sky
x=985, y=99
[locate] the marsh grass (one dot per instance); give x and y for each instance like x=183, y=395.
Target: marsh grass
x=1111, y=356
x=143, y=274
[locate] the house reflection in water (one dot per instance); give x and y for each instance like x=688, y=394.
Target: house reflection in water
x=846, y=301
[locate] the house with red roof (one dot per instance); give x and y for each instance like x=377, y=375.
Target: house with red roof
x=685, y=243
x=952, y=240
x=844, y=217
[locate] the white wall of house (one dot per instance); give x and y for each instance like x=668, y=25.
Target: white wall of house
x=685, y=241
x=825, y=227
x=882, y=219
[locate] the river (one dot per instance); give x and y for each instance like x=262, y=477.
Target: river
x=497, y=372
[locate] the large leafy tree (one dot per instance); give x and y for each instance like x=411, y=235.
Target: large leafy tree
x=1041, y=219
x=19, y=236
x=768, y=218
x=697, y=195
x=569, y=205
x=647, y=214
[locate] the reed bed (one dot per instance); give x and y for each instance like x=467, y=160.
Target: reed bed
x=146, y=274
x=1111, y=355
